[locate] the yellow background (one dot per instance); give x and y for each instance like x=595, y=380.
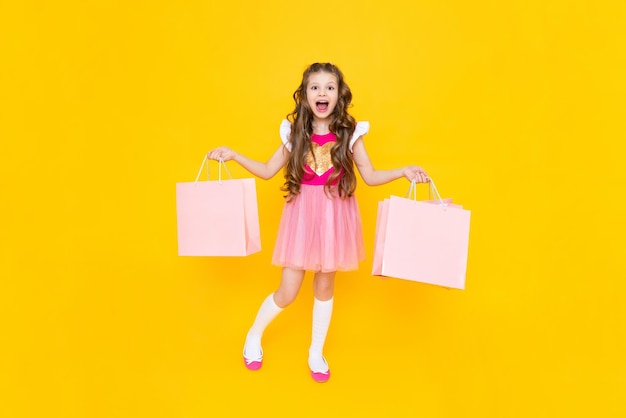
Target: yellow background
x=515, y=108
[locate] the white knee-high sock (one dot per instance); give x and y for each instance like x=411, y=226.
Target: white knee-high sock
x=322, y=312
x=267, y=312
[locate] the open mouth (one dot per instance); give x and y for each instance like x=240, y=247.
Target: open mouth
x=321, y=106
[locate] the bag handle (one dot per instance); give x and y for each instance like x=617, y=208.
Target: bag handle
x=412, y=193
x=219, y=175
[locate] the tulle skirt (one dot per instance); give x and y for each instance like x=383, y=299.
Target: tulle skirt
x=319, y=233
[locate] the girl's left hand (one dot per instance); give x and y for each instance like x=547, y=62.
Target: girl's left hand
x=416, y=173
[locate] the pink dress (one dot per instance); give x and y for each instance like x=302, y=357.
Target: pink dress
x=318, y=232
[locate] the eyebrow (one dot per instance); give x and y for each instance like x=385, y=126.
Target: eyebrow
x=315, y=83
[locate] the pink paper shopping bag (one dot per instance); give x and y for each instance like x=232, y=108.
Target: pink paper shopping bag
x=422, y=241
x=217, y=218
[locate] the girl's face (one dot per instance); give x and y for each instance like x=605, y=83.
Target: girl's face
x=322, y=93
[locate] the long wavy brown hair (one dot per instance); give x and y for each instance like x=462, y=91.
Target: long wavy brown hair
x=342, y=124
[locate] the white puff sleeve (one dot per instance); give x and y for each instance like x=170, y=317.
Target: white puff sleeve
x=285, y=130
x=361, y=129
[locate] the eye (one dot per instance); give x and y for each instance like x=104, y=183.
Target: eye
x=313, y=87
x=331, y=88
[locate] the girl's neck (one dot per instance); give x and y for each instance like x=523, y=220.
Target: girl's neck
x=321, y=127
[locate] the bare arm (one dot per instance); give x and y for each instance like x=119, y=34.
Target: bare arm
x=265, y=170
x=373, y=177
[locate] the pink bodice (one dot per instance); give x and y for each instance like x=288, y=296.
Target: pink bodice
x=319, y=164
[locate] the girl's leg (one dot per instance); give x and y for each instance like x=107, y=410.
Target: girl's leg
x=323, y=288
x=290, y=283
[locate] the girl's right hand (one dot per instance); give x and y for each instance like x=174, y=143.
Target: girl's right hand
x=221, y=153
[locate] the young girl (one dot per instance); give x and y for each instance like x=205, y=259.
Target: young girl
x=320, y=227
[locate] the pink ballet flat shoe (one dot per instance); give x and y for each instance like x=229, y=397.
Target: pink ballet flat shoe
x=320, y=377
x=252, y=364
